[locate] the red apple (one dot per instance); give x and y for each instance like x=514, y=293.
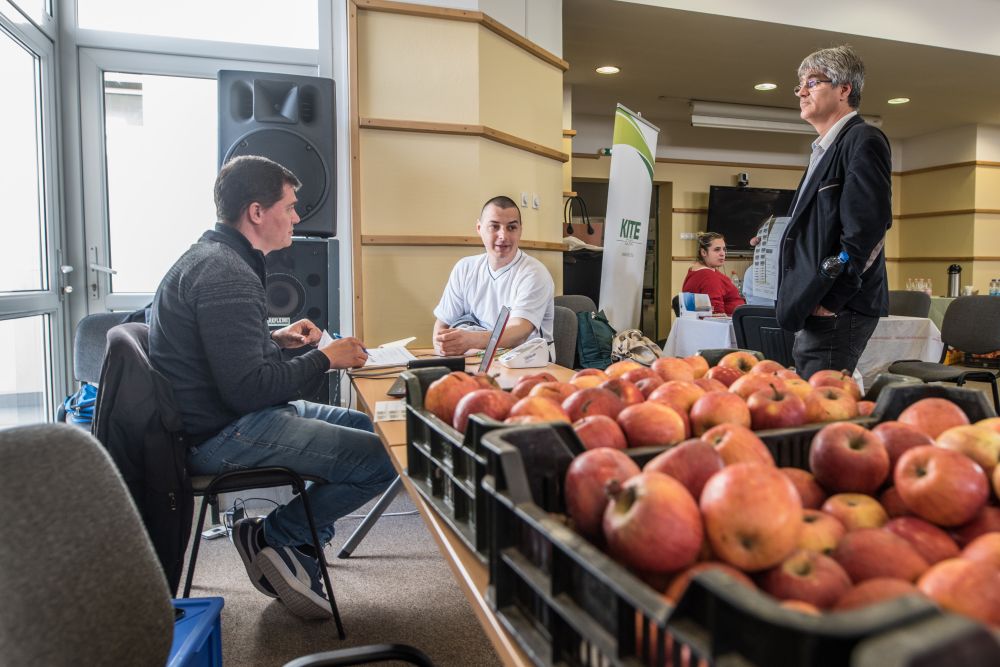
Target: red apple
x=751, y=513
x=985, y=548
x=651, y=425
x=738, y=444
x=586, y=478
x=942, y=486
x=709, y=385
x=640, y=373
x=898, y=437
x=538, y=406
x=789, y=374
x=727, y=375
x=929, y=541
x=681, y=581
x=826, y=404
x=599, y=431
x=820, y=531
x=982, y=445
x=557, y=391
x=625, y=390
x=768, y=367
x=751, y=383
x=698, y=364
x=846, y=457
x=893, y=504
x=992, y=423
x=873, y=591
x=933, y=416
x=808, y=576
x=801, y=606
x=986, y=520
x=996, y=481
x=486, y=381
x=490, y=402
x=865, y=408
x=873, y=552
x=443, y=394
x=523, y=420
x=811, y=493
x=799, y=387
x=652, y=523
x=718, y=408
x=856, y=511
x=648, y=385
x=691, y=463
x=619, y=368
x=678, y=394
x=672, y=368
x=526, y=383
x=965, y=587
x=741, y=360
x=588, y=377
x=592, y=401
x=839, y=379
x=775, y=408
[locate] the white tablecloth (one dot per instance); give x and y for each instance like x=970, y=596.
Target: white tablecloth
x=895, y=338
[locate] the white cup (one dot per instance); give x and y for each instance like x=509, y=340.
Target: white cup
x=969, y=290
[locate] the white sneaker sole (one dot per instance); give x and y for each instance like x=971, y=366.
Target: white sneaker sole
x=297, y=596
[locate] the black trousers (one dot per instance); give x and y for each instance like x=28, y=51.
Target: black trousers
x=835, y=342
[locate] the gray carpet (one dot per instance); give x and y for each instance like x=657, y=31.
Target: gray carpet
x=395, y=588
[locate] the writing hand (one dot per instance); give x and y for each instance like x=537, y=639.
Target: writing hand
x=345, y=353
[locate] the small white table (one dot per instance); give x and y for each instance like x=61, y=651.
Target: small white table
x=896, y=337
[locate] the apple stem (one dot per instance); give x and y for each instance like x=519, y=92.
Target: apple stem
x=622, y=497
x=777, y=396
x=613, y=488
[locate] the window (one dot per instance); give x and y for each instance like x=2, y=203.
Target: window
x=24, y=368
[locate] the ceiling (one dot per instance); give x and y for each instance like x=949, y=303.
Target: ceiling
x=669, y=57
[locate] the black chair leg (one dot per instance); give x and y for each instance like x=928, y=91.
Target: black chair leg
x=322, y=559
x=194, y=548
x=996, y=395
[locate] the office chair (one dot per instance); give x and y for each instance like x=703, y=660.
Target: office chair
x=909, y=303
x=89, y=342
x=564, y=331
x=970, y=325
x=578, y=303
x=81, y=582
x=757, y=328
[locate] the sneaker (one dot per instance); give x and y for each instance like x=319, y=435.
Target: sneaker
x=249, y=540
x=297, y=579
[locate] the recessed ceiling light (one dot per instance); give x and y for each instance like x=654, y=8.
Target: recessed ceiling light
x=765, y=86
x=899, y=100
x=607, y=69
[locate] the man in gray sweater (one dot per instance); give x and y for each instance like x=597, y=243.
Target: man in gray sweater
x=240, y=398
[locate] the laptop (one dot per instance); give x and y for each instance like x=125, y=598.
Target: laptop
x=398, y=388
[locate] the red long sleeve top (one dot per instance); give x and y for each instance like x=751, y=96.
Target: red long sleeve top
x=719, y=288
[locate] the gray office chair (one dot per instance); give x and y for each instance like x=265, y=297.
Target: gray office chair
x=564, y=331
x=970, y=325
x=89, y=342
x=81, y=583
x=578, y=303
x=909, y=303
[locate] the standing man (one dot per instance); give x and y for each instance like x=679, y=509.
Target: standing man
x=237, y=394
x=479, y=286
x=844, y=203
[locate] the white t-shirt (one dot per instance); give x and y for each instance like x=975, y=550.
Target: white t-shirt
x=474, y=289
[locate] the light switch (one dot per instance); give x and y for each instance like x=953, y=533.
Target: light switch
x=524, y=199
x=536, y=201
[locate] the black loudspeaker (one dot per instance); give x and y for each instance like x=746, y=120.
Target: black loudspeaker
x=289, y=119
x=302, y=283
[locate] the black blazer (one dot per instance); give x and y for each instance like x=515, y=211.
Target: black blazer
x=846, y=204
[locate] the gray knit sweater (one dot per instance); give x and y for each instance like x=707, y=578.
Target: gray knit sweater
x=208, y=335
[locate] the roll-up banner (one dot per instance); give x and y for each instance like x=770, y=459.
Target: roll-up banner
x=630, y=187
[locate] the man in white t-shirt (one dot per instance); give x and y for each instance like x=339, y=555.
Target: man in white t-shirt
x=480, y=286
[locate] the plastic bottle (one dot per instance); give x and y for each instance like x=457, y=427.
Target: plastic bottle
x=831, y=267
x=993, y=287
x=736, y=281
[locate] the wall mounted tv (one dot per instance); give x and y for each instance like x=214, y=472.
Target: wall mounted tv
x=737, y=212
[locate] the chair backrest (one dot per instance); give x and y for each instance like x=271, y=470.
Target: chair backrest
x=578, y=303
x=564, y=331
x=81, y=584
x=757, y=329
x=909, y=303
x=675, y=305
x=970, y=324
x=89, y=343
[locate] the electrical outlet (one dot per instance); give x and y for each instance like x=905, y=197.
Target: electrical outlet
x=688, y=236
x=524, y=199
x=536, y=201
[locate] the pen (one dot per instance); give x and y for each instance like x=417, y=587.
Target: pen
x=337, y=336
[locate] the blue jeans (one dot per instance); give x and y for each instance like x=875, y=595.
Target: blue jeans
x=332, y=443
x=835, y=342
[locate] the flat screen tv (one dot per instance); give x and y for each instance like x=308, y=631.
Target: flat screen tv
x=738, y=212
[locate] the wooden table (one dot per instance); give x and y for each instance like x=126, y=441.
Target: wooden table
x=471, y=575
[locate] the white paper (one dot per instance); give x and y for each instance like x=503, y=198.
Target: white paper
x=388, y=356
x=767, y=256
x=402, y=342
x=390, y=411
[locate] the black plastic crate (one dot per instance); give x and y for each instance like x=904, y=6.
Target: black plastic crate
x=897, y=397
x=566, y=602
x=945, y=640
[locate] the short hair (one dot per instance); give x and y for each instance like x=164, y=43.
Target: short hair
x=502, y=202
x=841, y=65
x=705, y=242
x=248, y=179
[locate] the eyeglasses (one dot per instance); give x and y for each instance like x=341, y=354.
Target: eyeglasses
x=809, y=85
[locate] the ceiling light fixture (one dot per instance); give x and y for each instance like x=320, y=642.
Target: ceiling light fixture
x=765, y=86
x=607, y=69
x=899, y=100
x=747, y=117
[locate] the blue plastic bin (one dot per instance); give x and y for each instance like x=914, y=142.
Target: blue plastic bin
x=198, y=635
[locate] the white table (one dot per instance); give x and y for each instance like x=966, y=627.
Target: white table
x=895, y=338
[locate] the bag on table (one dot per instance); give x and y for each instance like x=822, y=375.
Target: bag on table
x=593, y=340
x=632, y=344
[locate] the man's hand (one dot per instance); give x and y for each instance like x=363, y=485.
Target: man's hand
x=820, y=311
x=451, y=342
x=303, y=332
x=345, y=353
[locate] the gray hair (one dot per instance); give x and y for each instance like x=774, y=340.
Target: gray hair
x=840, y=64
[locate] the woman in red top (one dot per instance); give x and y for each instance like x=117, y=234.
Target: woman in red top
x=706, y=277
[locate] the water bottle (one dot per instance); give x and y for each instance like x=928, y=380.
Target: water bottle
x=993, y=287
x=736, y=282
x=832, y=266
